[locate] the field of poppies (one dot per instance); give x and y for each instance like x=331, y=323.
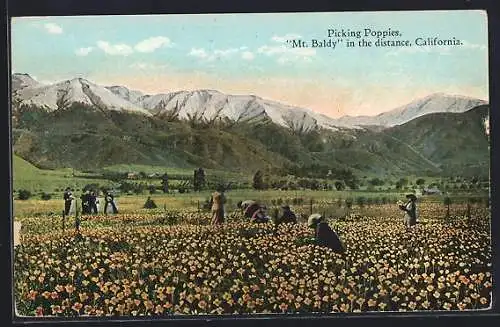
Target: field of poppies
x=165, y=263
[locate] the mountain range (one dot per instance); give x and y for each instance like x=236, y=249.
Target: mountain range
x=211, y=105
x=78, y=123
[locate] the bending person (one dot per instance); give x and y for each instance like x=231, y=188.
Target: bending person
x=324, y=235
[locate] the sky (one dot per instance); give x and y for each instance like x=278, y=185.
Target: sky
x=249, y=54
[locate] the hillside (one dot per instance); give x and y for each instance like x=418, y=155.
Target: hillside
x=83, y=138
x=454, y=140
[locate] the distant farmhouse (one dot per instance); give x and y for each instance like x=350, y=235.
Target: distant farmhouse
x=431, y=191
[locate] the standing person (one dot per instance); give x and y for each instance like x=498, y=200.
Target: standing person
x=93, y=203
x=68, y=198
x=218, y=200
x=85, y=202
x=324, y=234
x=109, y=200
x=410, y=209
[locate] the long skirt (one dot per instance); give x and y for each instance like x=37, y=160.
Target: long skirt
x=217, y=217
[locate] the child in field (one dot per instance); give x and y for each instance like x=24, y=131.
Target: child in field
x=324, y=235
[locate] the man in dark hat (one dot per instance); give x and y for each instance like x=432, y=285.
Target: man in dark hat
x=410, y=209
x=324, y=234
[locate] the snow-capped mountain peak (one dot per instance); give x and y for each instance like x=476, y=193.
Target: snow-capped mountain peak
x=212, y=105
x=77, y=90
x=20, y=81
x=434, y=103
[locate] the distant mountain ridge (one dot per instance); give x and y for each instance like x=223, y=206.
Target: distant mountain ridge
x=434, y=103
x=60, y=95
x=212, y=105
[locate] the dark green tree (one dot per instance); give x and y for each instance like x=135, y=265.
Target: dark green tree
x=447, y=203
x=258, y=180
x=164, y=183
x=339, y=186
x=420, y=182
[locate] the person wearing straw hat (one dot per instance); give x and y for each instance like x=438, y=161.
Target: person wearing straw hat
x=410, y=209
x=324, y=234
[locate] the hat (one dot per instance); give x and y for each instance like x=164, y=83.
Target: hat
x=314, y=219
x=411, y=196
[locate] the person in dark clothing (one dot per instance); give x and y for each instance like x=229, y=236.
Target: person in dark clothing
x=109, y=200
x=68, y=197
x=410, y=209
x=93, y=203
x=254, y=211
x=324, y=235
x=287, y=215
x=85, y=203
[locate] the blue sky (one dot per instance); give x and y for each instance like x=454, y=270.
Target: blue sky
x=246, y=54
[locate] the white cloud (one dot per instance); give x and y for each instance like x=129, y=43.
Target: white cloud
x=145, y=66
x=152, y=43
x=468, y=45
x=247, y=55
x=53, y=28
x=115, y=49
x=83, y=51
x=286, y=37
x=442, y=50
x=225, y=53
x=215, y=54
x=198, y=52
x=284, y=52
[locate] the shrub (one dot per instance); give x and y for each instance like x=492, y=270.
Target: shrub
x=360, y=201
x=152, y=189
x=46, y=196
x=24, y=194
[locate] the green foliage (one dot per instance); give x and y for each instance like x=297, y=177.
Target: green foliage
x=152, y=189
x=46, y=196
x=420, y=182
x=24, y=194
x=339, y=186
x=376, y=182
x=258, y=181
x=361, y=201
